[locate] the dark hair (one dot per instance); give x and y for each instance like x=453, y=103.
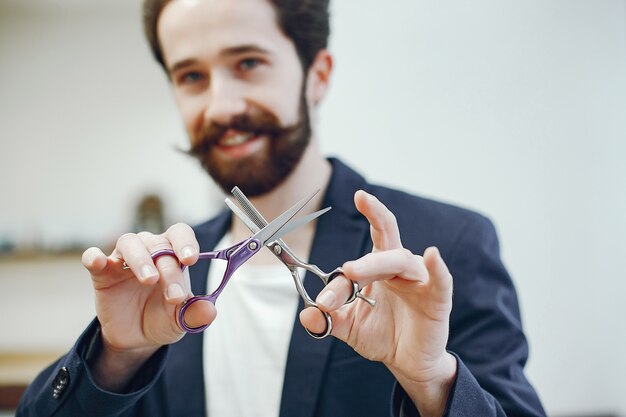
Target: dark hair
x=305, y=22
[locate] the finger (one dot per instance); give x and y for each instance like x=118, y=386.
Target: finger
x=383, y=224
x=171, y=280
x=184, y=243
x=335, y=294
x=381, y=266
x=138, y=250
x=313, y=320
x=94, y=260
x=132, y=249
x=105, y=271
x=200, y=313
x=440, y=277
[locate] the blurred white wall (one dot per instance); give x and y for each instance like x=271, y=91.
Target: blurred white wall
x=514, y=109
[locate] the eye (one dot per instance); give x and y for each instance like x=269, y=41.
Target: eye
x=191, y=77
x=248, y=64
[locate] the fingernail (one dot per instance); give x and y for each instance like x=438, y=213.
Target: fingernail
x=174, y=291
x=327, y=299
x=148, y=271
x=188, y=251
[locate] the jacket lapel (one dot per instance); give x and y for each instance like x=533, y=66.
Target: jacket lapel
x=185, y=368
x=341, y=235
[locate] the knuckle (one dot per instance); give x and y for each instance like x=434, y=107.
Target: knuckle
x=126, y=238
x=182, y=225
x=407, y=255
x=389, y=218
x=178, y=228
x=167, y=270
x=144, y=235
x=347, y=284
x=158, y=245
x=168, y=265
x=341, y=284
x=154, y=242
x=181, y=235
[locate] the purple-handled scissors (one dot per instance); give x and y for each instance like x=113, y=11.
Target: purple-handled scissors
x=255, y=221
x=237, y=254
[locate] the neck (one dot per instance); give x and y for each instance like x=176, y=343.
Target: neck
x=312, y=173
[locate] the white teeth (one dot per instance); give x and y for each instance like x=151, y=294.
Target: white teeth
x=235, y=140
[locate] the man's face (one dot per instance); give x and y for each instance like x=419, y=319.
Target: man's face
x=239, y=85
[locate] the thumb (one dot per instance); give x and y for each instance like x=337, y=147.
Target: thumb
x=200, y=313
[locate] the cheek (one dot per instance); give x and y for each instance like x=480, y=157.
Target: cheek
x=283, y=90
x=281, y=99
x=192, y=112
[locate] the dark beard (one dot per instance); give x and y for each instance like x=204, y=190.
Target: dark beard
x=259, y=173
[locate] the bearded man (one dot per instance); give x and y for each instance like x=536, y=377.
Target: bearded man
x=248, y=76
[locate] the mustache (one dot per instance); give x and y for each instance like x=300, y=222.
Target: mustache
x=256, y=123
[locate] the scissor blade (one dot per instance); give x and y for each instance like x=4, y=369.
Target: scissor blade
x=299, y=222
x=288, y=228
x=268, y=233
x=243, y=216
x=248, y=207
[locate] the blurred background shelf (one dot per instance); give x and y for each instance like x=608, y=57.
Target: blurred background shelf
x=17, y=370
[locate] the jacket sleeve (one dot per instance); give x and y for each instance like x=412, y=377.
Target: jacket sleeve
x=66, y=388
x=486, y=334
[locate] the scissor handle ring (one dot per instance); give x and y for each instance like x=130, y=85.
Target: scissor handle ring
x=156, y=255
x=355, y=292
x=355, y=286
x=181, y=313
x=184, y=307
x=325, y=333
x=165, y=252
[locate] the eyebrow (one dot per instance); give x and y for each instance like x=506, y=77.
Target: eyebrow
x=242, y=49
x=182, y=64
x=228, y=52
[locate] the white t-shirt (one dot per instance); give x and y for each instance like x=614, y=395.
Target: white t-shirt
x=245, y=348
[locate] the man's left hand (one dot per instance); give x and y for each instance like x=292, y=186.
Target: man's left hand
x=407, y=330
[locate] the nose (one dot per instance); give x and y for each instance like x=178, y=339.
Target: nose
x=226, y=100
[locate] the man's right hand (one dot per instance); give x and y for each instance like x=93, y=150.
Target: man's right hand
x=137, y=307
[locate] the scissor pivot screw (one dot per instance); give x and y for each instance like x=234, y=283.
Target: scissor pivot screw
x=252, y=245
x=278, y=250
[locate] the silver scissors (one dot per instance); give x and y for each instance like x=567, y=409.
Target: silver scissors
x=239, y=253
x=255, y=222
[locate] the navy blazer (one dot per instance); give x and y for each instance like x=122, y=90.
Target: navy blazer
x=326, y=378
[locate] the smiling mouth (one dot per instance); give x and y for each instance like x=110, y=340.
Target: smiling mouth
x=235, y=144
x=235, y=139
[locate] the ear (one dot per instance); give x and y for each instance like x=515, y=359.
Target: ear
x=318, y=78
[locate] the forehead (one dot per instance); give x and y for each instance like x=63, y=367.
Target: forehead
x=192, y=28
